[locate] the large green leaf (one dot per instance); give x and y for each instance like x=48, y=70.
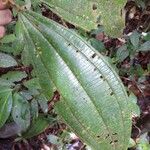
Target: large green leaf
x=5, y=104
x=87, y=14
x=93, y=99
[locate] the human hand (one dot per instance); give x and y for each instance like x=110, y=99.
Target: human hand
x=5, y=18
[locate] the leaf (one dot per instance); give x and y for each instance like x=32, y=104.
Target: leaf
x=43, y=103
x=87, y=14
x=141, y=3
x=54, y=139
x=143, y=142
x=145, y=47
x=6, y=83
x=146, y=36
x=41, y=72
x=9, y=130
x=32, y=84
x=7, y=60
x=135, y=38
x=18, y=44
x=139, y=70
x=26, y=94
x=37, y=127
x=122, y=53
x=93, y=100
x=6, y=48
x=21, y=112
x=5, y=104
x=132, y=143
x=35, y=3
x=34, y=109
x=135, y=109
x=8, y=38
x=98, y=45
x=14, y=76
x=28, y=4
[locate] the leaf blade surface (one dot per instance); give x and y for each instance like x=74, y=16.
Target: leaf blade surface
x=91, y=90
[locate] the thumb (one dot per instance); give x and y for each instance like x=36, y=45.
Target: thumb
x=5, y=16
x=2, y=31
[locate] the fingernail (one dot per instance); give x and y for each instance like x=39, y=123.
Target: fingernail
x=5, y=17
x=2, y=31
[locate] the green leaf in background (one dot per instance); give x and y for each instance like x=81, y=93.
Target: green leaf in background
x=8, y=38
x=40, y=70
x=93, y=101
x=135, y=109
x=34, y=109
x=139, y=70
x=132, y=143
x=26, y=94
x=135, y=38
x=143, y=142
x=14, y=76
x=55, y=140
x=6, y=83
x=6, y=48
x=148, y=67
x=7, y=61
x=10, y=129
x=18, y=44
x=122, y=53
x=98, y=45
x=87, y=14
x=32, y=84
x=37, y=127
x=145, y=47
x=5, y=104
x=146, y=36
x=141, y=3
x=21, y=111
x=43, y=103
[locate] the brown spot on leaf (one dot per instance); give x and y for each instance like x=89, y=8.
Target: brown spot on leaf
x=115, y=141
x=111, y=95
x=101, y=77
x=93, y=55
x=107, y=136
x=94, y=7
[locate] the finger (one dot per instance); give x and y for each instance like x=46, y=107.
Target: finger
x=2, y=31
x=5, y=16
x=2, y=5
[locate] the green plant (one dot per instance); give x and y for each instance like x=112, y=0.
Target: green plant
x=93, y=101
